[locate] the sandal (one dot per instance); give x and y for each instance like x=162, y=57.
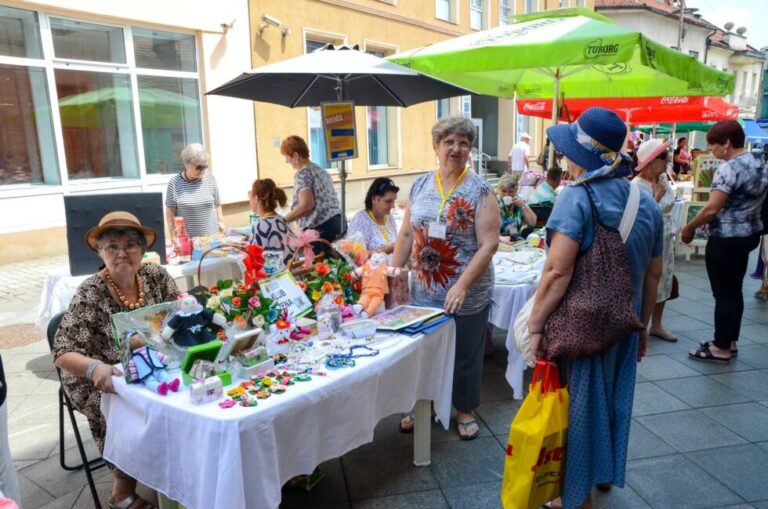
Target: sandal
x=666, y=336
x=705, y=354
x=762, y=295
x=464, y=426
x=127, y=503
x=707, y=344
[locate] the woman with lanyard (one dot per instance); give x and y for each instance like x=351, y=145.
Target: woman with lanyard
x=450, y=238
x=375, y=224
x=378, y=230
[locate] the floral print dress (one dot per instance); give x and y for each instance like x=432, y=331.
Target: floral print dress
x=437, y=262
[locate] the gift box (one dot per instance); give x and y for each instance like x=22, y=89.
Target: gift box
x=208, y=352
x=254, y=361
x=204, y=391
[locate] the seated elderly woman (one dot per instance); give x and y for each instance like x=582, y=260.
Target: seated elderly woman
x=515, y=213
x=83, y=346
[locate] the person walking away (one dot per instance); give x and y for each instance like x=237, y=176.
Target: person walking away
x=518, y=156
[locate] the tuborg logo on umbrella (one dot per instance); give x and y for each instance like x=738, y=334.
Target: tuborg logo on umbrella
x=597, y=49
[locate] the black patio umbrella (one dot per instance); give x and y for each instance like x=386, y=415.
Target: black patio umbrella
x=337, y=73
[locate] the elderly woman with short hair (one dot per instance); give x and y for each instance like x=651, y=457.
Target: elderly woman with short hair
x=451, y=231
x=83, y=346
x=515, y=212
x=194, y=195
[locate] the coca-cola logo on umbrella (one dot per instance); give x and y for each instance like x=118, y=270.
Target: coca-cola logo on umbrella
x=537, y=106
x=675, y=100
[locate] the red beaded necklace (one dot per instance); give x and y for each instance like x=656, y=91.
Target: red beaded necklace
x=124, y=301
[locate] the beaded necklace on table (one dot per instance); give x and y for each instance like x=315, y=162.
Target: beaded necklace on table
x=123, y=300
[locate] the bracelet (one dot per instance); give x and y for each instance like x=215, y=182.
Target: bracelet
x=91, y=368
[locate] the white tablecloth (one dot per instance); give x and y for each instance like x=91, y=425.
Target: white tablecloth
x=59, y=286
x=208, y=457
x=507, y=303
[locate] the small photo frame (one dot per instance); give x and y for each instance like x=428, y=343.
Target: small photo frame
x=701, y=236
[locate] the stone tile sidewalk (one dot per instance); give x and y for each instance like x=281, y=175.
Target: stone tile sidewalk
x=699, y=433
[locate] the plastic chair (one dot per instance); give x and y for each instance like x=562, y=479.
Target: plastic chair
x=87, y=465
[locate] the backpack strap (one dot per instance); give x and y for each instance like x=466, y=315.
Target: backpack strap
x=630, y=212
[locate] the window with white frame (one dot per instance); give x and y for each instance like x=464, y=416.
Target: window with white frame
x=316, y=133
x=127, y=99
x=476, y=14
x=443, y=108
x=446, y=10
x=505, y=12
x=531, y=5
x=381, y=125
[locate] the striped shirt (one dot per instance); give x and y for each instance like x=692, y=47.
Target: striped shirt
x=195, y=202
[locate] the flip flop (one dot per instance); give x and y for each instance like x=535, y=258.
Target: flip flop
x=705, y=355
x=734, y=351
x=661, y=335
x=464, y=425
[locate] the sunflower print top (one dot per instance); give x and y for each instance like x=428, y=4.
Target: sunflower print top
x=438, y=263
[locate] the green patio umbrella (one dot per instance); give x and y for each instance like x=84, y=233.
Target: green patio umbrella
x=680, y=127
x=575, y=52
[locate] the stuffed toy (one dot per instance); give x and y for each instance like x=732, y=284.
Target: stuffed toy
x=148, y=366
x=374, y=274
x=190, y=325
x=351, y=312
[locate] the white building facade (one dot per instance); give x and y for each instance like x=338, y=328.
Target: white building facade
x=100, y=97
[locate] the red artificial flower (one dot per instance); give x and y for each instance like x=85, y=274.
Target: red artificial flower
x=322, y=269
x=239, y=321
x=303, y=286
x=213, y=289
x=357, y=286
x=236, y=301
x=434, y=260
x=327, y=287
x=348, y=276
x=254, y=265
x=460, y=215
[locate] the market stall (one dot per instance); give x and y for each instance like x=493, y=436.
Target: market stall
x=207, y=456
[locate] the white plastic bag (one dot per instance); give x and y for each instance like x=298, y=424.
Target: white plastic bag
x=522, y=337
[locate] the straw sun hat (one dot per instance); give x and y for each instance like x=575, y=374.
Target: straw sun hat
x=118, y=220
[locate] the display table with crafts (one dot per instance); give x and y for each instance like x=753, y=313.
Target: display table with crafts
x=518, y=271
x=60, y=286
x=207, y=456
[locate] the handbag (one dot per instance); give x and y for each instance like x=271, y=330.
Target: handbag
x=520, y=325
x=675, y=291
x=597, y=309
x=534, y=465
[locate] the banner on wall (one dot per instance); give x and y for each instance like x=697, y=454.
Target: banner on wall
x=340, y=130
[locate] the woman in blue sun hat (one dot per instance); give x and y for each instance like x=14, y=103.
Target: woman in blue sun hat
x=601, y=387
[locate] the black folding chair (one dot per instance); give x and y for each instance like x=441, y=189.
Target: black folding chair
x=87, y=465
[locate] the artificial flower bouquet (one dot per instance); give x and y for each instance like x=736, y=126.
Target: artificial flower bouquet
x=242, y=305
x=332, y=275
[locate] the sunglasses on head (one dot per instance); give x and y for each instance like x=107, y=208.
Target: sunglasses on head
x=383, y=186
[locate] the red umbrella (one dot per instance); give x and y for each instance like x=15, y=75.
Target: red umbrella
x=639, y=110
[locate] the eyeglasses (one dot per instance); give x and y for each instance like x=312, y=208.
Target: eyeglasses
x=131, y=249
x=201, y=167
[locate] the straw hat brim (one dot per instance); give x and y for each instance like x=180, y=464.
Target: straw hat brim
x=92, y=236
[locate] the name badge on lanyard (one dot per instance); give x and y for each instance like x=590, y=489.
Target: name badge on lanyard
x=438, y=230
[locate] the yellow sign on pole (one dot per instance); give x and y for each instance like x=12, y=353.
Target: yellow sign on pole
x=340, y=131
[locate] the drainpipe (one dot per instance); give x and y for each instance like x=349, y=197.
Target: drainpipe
x=707, y=44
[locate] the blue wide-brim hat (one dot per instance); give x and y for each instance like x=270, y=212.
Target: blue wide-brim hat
x=593, y=141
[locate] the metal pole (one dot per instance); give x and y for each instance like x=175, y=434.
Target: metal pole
x=681, y=28
x=551, y=152
x=343, y=169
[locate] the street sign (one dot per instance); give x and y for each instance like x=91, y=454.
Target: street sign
x=340, y=131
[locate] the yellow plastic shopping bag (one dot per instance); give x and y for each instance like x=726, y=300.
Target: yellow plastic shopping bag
x=534, y=468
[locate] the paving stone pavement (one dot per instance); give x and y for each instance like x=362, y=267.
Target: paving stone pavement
x=699, y=433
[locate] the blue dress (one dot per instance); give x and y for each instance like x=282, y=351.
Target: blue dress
x=601, y=389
